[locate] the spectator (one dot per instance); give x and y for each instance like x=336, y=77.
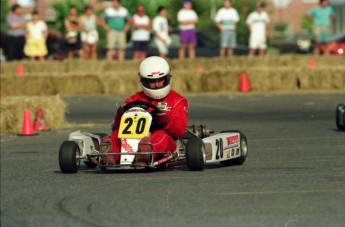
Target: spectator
x=257, y=24
x=16, y=30
x=226, y=20
x=115, y=20
x=161, y=31
x=187, y=19
x=36, y=36
x=322, y=15
x=73, y=40
x=141, y=24
x=89, y=33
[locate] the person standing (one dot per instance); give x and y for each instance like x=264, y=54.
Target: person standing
x=226, y=21
x=89, y=33
x=115, y=22
x=322, y=15
x=36, y=36
x=161, y=31
x=187, y=19
x=141, y=24
x=257, y=24
x=16, y=25
x=73, y=40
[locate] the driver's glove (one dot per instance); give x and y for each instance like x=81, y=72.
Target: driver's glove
x=161, y=118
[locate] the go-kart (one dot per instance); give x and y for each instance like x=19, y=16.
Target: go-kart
x=197, y=147
x=340, y=117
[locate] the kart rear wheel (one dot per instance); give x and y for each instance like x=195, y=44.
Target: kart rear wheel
x=195, y=154
x=337, y=118
x=69, y=157
x=244, y=151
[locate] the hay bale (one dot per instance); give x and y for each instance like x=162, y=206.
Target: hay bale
x=322, y=78
x=28, y=85
x=78, y=84
x=12, y=109
x=83, y=66
x=121, y=83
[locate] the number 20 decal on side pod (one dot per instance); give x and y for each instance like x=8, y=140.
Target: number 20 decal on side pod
x=220, y=151
x=134, y=127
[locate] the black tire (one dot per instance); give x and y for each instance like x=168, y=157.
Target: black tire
x=244, y=151
x=337, y=117
x=195, y=154
x=68, y=161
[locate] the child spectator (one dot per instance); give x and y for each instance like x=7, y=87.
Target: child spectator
x=36, y=36
x=89, y=33
x=73, y=40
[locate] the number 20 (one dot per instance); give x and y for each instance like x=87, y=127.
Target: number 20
x=219, y=144
x=139, y=127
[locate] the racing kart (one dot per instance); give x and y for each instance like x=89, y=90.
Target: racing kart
x=196, y=148
x=340, y=117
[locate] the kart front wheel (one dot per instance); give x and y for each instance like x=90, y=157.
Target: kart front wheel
x=195, y=154
x=69, y=157
x=340, y=118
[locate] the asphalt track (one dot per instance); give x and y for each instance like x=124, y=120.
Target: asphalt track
x=294, y=174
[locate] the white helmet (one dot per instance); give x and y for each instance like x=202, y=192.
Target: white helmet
x=153, y=68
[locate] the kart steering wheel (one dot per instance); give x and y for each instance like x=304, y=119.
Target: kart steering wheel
x=143, y=104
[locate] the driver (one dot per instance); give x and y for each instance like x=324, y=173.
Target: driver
x=171, y=123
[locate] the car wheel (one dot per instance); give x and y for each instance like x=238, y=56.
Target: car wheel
x=243, y=149
x=195, y=154
x=69, y=157
x=338, y=118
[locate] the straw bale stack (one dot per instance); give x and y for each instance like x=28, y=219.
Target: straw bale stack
x=12, y=109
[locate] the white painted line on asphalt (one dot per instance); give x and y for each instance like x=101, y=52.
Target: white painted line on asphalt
x=297, y=148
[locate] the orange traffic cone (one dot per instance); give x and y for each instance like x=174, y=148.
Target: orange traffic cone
x=27, y=129
x=200, y=68
x=312, y=63
x=39, y=122
x=20, y=70
x=244, y=83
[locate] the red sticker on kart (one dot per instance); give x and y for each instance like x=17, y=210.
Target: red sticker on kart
x=232, y=140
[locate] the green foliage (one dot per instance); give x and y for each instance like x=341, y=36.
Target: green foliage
x=307, y=25
x=5, y=9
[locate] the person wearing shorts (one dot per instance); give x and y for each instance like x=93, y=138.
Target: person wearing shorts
x=226, y=20
x=115, y=22
x=187, y=19
x=141, y=24
x=160, y=28
x=257, y=24
x=322, y=15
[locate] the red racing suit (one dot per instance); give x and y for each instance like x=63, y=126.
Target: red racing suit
x=162, y=139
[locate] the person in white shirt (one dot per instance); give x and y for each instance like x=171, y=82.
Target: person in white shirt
x=141, y=24
x=89, y=33
x=161, y=32
x=36, y=36
x=226, y=21
x=257, y=24
x=187, y=19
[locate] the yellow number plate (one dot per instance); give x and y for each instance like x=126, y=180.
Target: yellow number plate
x=134, y=127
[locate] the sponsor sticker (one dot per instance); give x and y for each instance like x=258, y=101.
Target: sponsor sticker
x=126, y=146
x=228, y=154
x=162, y=105
x=232, y=152
x=232, y=140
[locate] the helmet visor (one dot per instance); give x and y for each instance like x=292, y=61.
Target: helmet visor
x=157, y=83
